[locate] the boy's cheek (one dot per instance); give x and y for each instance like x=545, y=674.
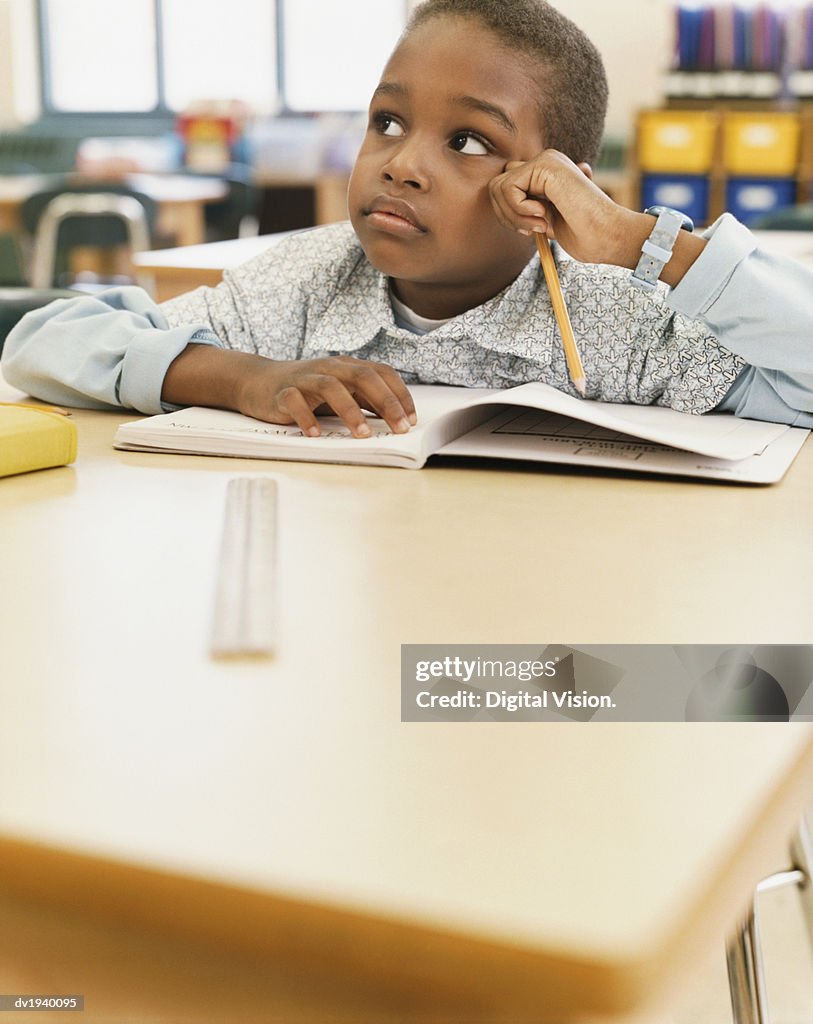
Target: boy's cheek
x=361, y=178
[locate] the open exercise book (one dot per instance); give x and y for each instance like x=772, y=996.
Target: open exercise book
x=532, y=421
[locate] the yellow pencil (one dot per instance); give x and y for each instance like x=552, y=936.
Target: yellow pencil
x=574, y=362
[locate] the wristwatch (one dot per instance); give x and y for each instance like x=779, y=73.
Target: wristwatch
x=657, y=249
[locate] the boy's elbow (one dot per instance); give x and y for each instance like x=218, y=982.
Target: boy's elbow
x=21, y=332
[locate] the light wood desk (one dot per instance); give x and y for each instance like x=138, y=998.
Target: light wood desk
x=178, y=833
x=180, y=197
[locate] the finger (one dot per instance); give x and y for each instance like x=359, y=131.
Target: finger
x=526, y=215
x=325, y=388
x=293, y=404
x=586, y=170
x=400, y=390
x=369, y=385
x=514, y=190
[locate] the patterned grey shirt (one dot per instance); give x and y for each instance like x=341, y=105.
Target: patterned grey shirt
x=316, y=294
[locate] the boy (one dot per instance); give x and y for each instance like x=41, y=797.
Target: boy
x=480, y=133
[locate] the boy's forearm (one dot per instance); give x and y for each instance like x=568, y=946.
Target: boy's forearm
x=207, y=375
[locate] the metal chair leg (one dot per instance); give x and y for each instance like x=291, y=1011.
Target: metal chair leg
x=746, y=973
x=802, y=853
x=746, y=966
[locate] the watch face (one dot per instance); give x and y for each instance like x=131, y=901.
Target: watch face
x=687, y=222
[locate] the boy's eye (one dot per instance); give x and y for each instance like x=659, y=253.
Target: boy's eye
x=469, y=144
x=386, y=125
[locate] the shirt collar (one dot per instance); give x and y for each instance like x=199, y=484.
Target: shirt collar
x=519, y=321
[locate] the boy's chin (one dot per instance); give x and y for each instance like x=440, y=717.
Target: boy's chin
x=394, y=264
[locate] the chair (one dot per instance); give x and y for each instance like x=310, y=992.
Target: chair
x=101, y=216
x=237, y=215
x=745, y=959
x=16, y=302
x=12, y=270
x=789, y=218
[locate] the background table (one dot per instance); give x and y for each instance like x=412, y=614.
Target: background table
x=179, y=270
x=176, y=831
x=180, y=198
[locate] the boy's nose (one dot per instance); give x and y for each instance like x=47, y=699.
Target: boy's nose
x=407, y=167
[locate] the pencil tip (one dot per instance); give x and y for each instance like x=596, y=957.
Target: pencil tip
x=580, y=385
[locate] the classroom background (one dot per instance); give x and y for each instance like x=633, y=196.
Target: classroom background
x=244, y=119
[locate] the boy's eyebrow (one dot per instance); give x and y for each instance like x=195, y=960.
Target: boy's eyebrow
x=472, y=102
x=489, y=109
x=390, y=89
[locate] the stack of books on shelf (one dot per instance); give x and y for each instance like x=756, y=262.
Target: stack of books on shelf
x=727, y=51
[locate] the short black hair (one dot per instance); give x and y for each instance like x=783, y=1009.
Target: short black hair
x=572, y=81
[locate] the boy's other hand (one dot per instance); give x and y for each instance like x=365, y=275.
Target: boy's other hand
x=289, y=392
x=293, y=392
x=552, y=195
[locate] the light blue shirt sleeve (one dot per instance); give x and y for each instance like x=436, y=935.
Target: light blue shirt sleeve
x=759, y=306
x=105, y=351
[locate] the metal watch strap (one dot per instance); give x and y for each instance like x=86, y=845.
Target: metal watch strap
x=657, y=249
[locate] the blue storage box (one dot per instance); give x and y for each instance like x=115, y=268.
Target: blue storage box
x=688, y=193
x=750, y=198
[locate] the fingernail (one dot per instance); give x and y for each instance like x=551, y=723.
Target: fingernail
x=540, y=230
x=363, y=431
x=312, y=431
x=413, y=419
x=522, y=231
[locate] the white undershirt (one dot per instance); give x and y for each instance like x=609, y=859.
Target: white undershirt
x=411, y=321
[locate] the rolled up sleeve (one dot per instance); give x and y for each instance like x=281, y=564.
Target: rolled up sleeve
x=759, y=306
x=106, y=351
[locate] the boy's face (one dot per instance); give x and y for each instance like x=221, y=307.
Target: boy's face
x=452, y=108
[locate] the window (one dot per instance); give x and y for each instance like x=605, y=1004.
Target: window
x=217, y=49
x=334, y=52
x=158, y=56
x=89, y=42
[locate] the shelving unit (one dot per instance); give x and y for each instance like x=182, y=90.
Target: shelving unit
x=748, y=160
x=736, y=129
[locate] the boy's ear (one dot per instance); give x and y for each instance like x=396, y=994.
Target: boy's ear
x=586, y=170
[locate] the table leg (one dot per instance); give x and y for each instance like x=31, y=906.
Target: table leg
x=184, y=221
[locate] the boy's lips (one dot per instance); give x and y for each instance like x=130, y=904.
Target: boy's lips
x=394, y=216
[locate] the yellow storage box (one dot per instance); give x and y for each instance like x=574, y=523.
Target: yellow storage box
x=34, y=437
x=677, y=141
x=756, y=144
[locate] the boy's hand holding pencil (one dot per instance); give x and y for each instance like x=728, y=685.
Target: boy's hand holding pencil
x=559, y=199
x=525, y=198
x=553, y=196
